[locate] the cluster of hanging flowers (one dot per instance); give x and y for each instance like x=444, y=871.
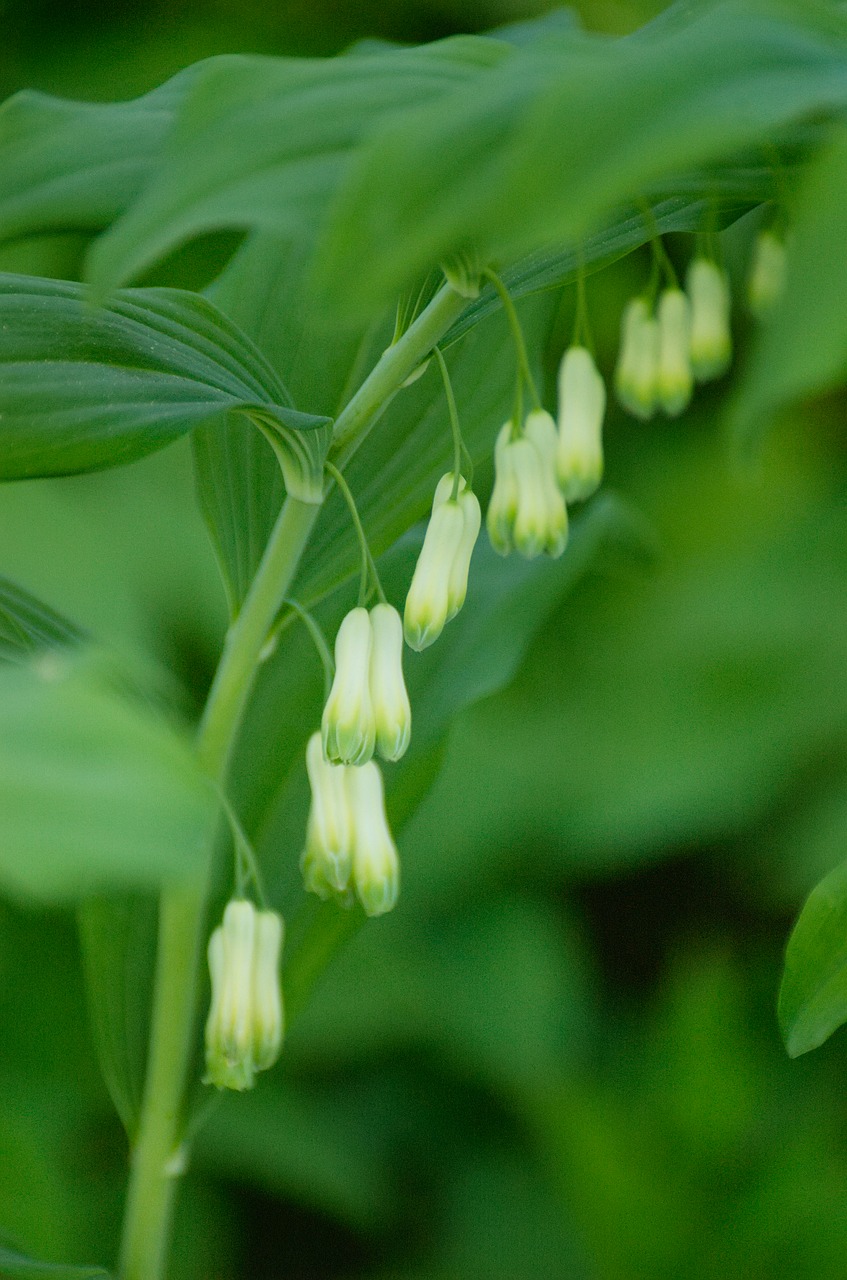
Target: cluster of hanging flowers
x=541, y=465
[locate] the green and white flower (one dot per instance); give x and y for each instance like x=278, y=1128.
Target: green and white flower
x=582, y=404
x=389, y=699
x=527, y=511
x=245, y=1022
x=674, y=380
x=327, y=858
x=637, y=371
x=711, y=336
x=376, y=869
x=440, y=581
x=348, y=727
x=767, y=273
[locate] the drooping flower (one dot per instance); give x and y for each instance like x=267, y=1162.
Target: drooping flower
x=527, y=512
x=440, y=580
x=245, y=1022
x=711, y=336
x=582, y=404
x=348, y=727
x=767, y=273
x=389, y=699
x=327, y=857
x=674, y=382
x=637, y=371
x=376, y=869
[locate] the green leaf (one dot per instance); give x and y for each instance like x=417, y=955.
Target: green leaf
x=27, y=625
x=118, y=939
x=14, y=1265
x=85, y=388
x=97, y=790
x=567, y=130
x=813, y=995
x=261, y=143
x=74, y=166
x=802, y=346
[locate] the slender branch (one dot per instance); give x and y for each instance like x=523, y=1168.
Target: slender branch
x=160, y=1151
x=454, y=421
x=368, y=568
x=524, y=371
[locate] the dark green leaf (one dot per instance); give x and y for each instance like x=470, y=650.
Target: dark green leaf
x=97, y=791
x=85, y=388
x=813, y=996
x=74, y=166
x=261, y=143
x=26, y=625
x=802, y=348
x=569, y=129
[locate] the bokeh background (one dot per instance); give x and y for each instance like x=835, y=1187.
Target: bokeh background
x=559, y=1057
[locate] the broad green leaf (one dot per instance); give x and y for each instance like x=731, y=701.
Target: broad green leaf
x=813, y=995
x=265, y=291
x=26, y=625
x=567, y=130
x=118, y=939
x=261, y=142
x=802, y=346
x=86, y=388
x=97, y=790
x=74, y=166
x=14, y=1265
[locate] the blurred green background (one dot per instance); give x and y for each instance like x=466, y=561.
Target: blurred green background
x=559, y=1057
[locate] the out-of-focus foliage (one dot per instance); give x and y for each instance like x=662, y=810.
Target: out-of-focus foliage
x=560, y=1056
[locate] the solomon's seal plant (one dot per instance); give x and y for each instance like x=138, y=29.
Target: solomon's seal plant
x=352, y=406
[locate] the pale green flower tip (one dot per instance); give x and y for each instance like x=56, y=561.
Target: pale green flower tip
x=376, y=870
x=711, y=336
x=636, y=372
x=582, y=406
x=347, y=724
x=580, y=478
x=766, y=281
x=390, y=701
x=244, y=1027
x=675, y=381
x=326, y=859
x=428, y=601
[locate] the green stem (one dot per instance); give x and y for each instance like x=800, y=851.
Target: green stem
x=454, y=422
x=160, y=1153
x=524, y=371
x=392, y=369
x=368, y=567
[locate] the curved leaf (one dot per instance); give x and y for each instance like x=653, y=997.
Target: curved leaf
x=27, y=625
x=86, y=388
x=16, y=1266
x=97, y=791
x=813, y=995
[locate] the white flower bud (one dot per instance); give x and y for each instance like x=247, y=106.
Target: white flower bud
x=439, y=582
x=527, y=512
x=711, y=337
x=389, y=699
x=675, y=381
x=637, y=371
x=348, y=725
x=767, y=273
x=326, y=860
x=582, y=404
x=267, y=994
x=244, y=1026
x=540, y=428
x=376, y=871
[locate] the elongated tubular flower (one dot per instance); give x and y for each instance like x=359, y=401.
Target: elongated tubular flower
x=348, y=727
x=582, y=404
x=389, y=699
x=327, y=858
x=527, y=512
x=267, y=992
x=457, y=586
x=711, y=336
x=244, y=1026
x=439, y=583
x=637, y=371
x=376, y=869
x=675, y=381
x=540, y=428
x=767, y=273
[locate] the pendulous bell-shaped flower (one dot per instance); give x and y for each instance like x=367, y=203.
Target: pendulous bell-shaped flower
x=637, y=370
x=674, y=380
x=327, y=857
x=767, y=273
x=245, y=1023
x=440, y=581
x=711, y=336
x=347, y=725
x=527, y=511
x=582, y=404
x=390, y=702
x=376, y=869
